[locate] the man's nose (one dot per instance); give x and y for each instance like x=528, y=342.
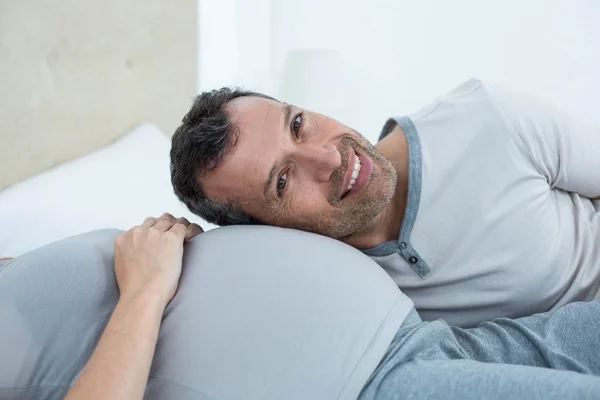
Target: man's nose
x=319, y=160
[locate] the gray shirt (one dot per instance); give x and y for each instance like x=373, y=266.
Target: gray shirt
x=499, y=221
x=256, y=316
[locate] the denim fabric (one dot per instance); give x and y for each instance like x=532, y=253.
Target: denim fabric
x=554, y=355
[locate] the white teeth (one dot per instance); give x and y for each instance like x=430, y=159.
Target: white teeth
x=355, y=172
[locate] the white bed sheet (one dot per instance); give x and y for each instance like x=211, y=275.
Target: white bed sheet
x=117, y=187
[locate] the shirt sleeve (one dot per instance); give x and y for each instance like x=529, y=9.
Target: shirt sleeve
x=565, y=149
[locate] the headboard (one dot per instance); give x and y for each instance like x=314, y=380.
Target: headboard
x=76, y=75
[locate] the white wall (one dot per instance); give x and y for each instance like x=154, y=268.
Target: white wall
x=399, y=55
x=234, y=44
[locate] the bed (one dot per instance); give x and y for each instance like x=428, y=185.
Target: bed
x=91, y=93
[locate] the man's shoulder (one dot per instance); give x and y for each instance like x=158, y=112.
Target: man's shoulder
x=474, y=98
x=464, y=89
x=472, y=91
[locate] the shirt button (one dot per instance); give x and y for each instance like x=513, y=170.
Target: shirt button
x=403, y=245
x=413, y=260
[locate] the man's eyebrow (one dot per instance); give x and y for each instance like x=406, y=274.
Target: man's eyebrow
x=287, y=114
x=270, y=179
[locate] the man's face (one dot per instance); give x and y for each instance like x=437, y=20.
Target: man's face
x=293, y=168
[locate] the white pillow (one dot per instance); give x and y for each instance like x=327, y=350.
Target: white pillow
x=115, y=187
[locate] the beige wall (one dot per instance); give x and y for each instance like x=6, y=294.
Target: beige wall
x=75, y=75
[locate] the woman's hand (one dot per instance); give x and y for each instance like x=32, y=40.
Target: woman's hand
x=147, y=266
x=148, y=258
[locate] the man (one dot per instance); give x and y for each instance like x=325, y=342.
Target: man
x=484, y=204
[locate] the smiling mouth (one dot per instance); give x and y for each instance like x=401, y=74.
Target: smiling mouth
x=355, y=172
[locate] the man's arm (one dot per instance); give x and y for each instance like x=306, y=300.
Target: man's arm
x=564, y=148
x=148, y=262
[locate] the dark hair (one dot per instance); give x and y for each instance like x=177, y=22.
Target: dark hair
x=205, y=136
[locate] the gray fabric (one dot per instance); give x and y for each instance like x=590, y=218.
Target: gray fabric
x=554, y=355
x=257, y=316
x=504, y=221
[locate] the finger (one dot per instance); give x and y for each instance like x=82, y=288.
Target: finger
x=149, y=222
x=164, y=225
x=192, y=231
x=167, y=216
x=179, y=229
x=183, y=221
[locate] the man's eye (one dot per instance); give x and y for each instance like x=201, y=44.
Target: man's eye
x=281, y=183
x=296, y=124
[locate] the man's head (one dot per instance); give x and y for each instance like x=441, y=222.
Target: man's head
x=242, y=157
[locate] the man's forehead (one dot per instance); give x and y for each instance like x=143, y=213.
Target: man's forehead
x=240, y=173
x=253, y=109
x=258, y=122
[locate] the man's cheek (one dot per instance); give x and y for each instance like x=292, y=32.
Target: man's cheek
x=296, y=210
